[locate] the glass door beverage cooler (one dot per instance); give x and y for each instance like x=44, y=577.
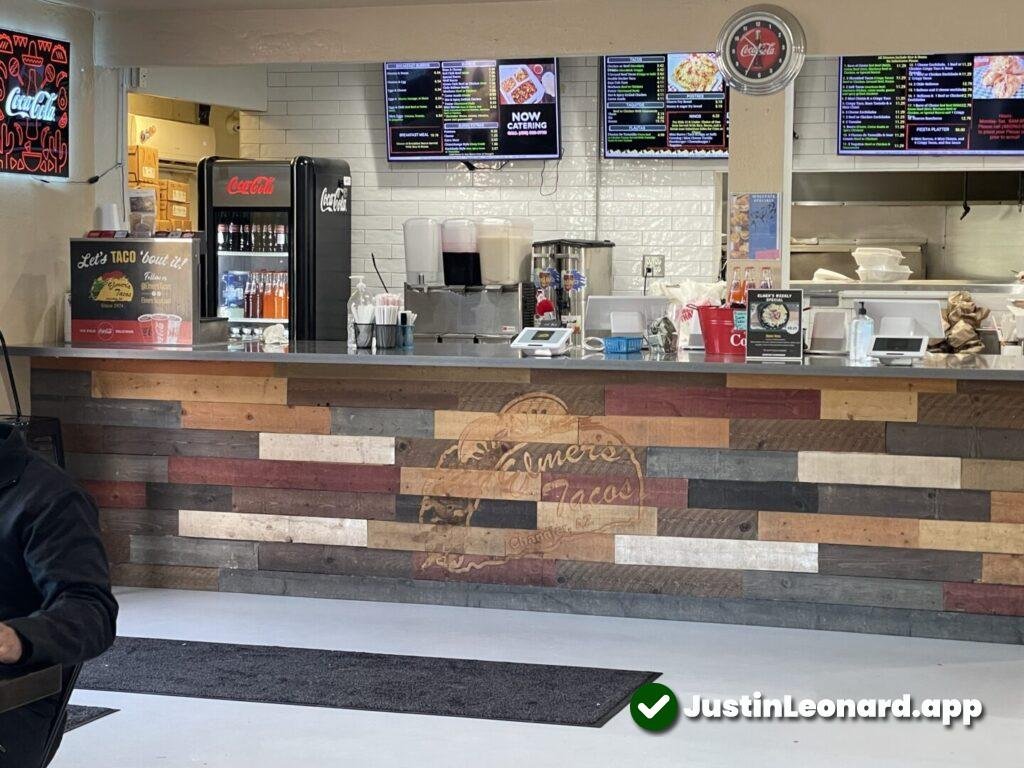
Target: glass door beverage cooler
x=279, y=245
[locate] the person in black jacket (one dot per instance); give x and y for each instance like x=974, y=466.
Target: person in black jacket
x=55, y=601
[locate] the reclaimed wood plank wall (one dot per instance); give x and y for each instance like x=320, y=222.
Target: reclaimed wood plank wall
x=862, y=504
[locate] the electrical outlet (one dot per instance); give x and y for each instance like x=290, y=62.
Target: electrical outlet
x=653, y=265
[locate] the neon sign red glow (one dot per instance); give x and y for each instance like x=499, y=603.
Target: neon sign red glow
x=35, y=103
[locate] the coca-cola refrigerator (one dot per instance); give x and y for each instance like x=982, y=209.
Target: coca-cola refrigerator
x=279, y=245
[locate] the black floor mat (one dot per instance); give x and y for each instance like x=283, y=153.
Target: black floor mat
x=79, y=716
x=426, y=685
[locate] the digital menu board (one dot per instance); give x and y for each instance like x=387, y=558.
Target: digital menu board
x=504, y=109
x=944, y=104
x=665, y=105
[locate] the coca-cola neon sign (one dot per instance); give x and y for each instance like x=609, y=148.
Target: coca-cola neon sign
x=42, y=106
x=262, y=186
x=35, y=104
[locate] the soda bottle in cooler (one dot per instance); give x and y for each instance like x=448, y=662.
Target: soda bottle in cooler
x=267, y=298
x=247, y=297
x=222, y=237
x=282, y=301
x=281, y=238
x=233, y=236
x=245, y=241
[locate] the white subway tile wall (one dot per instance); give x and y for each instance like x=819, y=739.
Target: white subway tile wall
x=816, y=125
x=667, y=207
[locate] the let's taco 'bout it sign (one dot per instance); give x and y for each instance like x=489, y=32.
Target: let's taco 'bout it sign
x=140, y=291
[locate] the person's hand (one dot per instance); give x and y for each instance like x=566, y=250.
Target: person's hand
x=11, y=649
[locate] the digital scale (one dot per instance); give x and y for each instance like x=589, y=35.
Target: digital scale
x=544, y=342
x=898, y=350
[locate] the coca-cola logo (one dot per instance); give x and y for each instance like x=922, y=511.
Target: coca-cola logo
x=42, y=106
x=758, y=50
x=333, y=202
x=763, y=49
x=262, y=186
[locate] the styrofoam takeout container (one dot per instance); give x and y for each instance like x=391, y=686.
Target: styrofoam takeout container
x=883, y=258
x=884, y=274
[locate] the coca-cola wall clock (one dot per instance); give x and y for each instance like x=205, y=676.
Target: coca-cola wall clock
x=761, y=49
x=35, y=104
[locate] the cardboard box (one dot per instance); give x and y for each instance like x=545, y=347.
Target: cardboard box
x=177, y=192
x=174, y=191
x=179, y=211
x=143, y=165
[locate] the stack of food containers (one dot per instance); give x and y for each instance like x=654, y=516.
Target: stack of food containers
x=880, y=265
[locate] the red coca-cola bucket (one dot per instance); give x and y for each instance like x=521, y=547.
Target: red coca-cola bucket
x=721, y=336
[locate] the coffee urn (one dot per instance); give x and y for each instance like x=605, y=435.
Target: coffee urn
x=568, y=271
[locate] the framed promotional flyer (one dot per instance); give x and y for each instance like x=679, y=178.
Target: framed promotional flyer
x=774, y=325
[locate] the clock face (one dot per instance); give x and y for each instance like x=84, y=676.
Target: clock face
x=758, y=49
x=761, y=49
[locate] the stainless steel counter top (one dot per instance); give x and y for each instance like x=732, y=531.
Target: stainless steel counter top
x=990, y=367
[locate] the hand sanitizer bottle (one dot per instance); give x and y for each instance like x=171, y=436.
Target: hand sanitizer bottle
x=862, y=329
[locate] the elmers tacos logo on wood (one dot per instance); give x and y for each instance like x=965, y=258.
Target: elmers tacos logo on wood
x=111, y=287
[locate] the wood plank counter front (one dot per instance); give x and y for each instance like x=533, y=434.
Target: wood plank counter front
x=860, y=503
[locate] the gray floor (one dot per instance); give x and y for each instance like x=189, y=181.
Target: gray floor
x=723, y=660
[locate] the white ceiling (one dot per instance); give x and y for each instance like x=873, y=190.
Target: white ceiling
x=216, y=5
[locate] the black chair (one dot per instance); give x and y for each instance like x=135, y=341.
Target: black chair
x=41, y=433
x=69, y=679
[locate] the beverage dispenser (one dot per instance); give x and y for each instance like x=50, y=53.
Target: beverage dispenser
x=568, y=271
x=422, y=250
x=460, y=256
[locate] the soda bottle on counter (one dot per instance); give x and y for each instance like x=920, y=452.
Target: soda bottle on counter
x=748, y=283
x=766, y=279
x=233, y=236
x=737, y=293
x=735, y=289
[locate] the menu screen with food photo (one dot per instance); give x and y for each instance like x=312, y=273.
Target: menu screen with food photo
x=946, y=104
x=504, y=109
x=665, y=105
